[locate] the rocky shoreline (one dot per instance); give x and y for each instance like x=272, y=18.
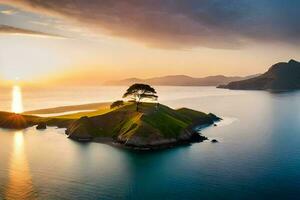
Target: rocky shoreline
x=196, y=138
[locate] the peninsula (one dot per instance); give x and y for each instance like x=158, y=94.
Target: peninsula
x=282, y=76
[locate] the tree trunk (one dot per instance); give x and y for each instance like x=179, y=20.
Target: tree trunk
x=137, y=103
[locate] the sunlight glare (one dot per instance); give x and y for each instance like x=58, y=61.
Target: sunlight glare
x=19, y=184
x=18, y=140
x=17, y=104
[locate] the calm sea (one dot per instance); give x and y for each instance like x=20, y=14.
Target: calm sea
x=257, y=157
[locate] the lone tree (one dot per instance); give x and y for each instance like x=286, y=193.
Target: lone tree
x=139, y=91
x=117, y=104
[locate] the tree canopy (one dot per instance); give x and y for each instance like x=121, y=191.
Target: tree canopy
x=117, y=104
x=138, y=92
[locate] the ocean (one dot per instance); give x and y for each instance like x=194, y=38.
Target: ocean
x=257, y=157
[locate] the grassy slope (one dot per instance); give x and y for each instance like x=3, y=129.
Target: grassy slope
x=164, y=122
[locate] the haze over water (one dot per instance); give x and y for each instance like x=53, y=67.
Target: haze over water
x=257, y=156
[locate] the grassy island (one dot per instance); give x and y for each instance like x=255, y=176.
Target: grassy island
x=134, y=123
x=149, y=127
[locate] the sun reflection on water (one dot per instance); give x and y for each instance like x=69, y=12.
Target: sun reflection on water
x=17, y=101
x=19, y=181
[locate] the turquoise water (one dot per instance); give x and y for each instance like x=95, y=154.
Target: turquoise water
x=257, y=157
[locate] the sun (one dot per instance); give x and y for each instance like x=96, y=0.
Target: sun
x=17, y=101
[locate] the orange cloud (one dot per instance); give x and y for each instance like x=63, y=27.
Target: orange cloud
x=14, y=30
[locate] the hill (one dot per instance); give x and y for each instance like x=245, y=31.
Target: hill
x=147, y=128
x=180, y=80
x=279, y=77
x=151, y=127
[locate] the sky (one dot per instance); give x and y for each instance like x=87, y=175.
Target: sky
x=85, y=40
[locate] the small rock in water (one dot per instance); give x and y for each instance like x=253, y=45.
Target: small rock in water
x=196, y=137
x=41, y=126
x=214, y=141
x=215, y=124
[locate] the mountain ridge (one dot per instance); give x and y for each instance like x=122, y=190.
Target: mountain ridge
x=180, y=80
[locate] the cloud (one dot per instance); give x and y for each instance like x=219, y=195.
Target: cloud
x=181, y=23
x=8, y=12
x=40, y=23
x=4, y=29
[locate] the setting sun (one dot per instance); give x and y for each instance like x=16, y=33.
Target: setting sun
x=17, y=102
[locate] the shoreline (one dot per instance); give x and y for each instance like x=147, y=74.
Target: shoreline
x=113, y=143
x=195, y=137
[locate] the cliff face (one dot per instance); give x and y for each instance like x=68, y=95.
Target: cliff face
x=81, y=130
x=281, y=76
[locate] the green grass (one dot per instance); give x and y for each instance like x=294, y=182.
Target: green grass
x=166, y=122
x=126, y=122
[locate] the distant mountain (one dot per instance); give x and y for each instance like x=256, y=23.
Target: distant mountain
x=180, y=80
x=281, y=76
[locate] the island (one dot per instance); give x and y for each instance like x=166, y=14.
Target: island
x=133, y=124
x=282, y=76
